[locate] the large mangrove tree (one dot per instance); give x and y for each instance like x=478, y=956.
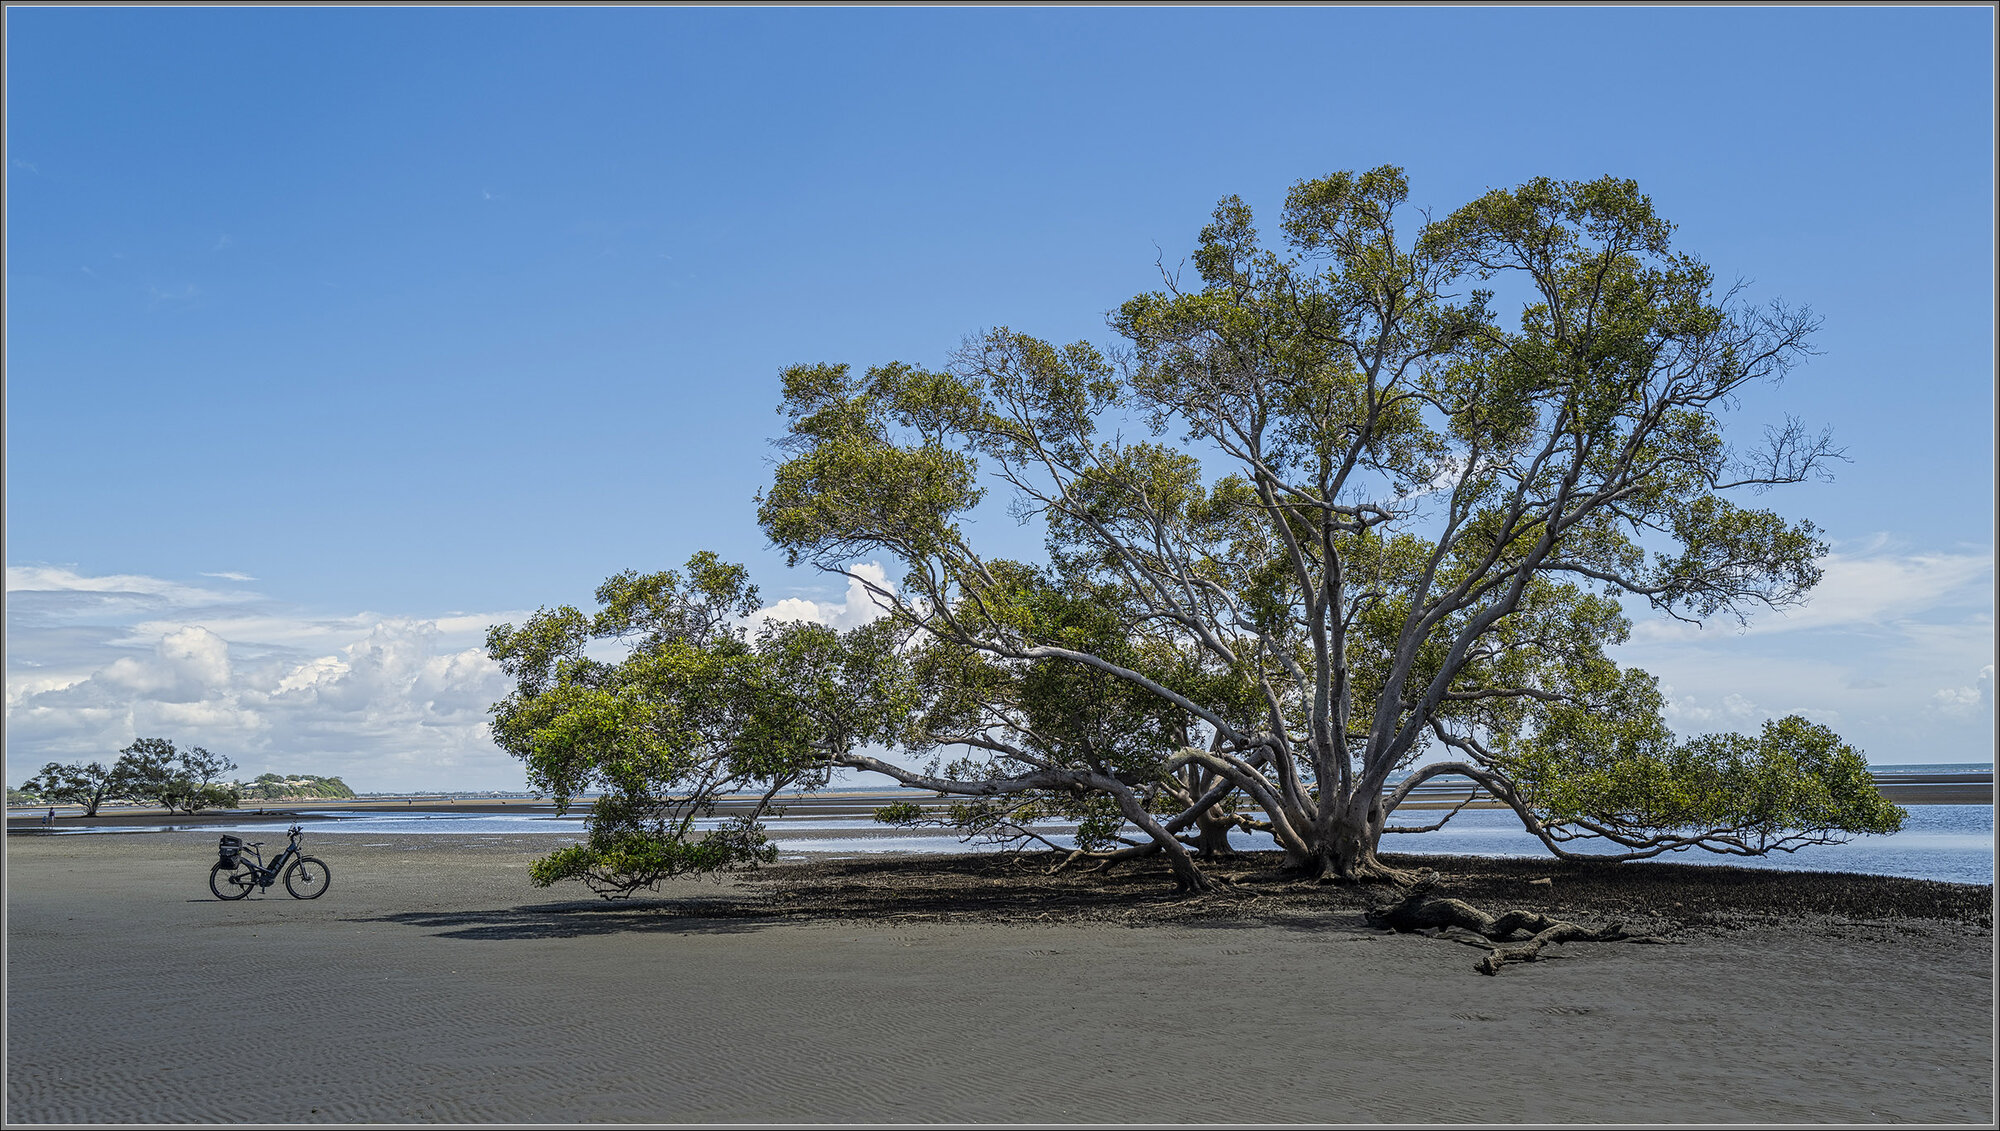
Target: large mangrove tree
x=1326, y=525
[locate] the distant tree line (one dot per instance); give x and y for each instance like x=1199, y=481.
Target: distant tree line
x=150, y=770
x=154, y=771
x=285, y=787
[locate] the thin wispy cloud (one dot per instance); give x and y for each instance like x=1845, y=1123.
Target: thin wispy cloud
x=173, y=297
x=230, y=575
x=28, y=166
x=1894, y=652
x=1876, y=588
x=25, y=579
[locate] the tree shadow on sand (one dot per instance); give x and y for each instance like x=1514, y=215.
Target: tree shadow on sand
x=982, y=888
x=989, y=888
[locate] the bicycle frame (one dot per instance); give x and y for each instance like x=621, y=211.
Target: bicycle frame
x=240, y=869
x=268, y=876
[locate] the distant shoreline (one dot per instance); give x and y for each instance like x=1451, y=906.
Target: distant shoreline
x=1919, y=788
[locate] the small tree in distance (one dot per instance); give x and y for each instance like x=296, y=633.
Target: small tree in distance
x=89, y=786
x=152, y=769
x=1409, y=563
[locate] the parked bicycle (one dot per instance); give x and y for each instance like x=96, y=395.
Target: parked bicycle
x=235, y=874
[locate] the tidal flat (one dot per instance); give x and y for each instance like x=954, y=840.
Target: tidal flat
x=433, y=983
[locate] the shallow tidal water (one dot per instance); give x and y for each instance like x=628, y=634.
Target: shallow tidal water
x=1953, y=843
x=1938, y=842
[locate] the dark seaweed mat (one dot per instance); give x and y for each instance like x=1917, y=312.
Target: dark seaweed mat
x=999, y=888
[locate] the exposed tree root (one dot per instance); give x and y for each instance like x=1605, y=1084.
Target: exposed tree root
x=1417, y=911
x=1189, y=877
x=1099, y=861
x=1366, y=870
x=1372, y=872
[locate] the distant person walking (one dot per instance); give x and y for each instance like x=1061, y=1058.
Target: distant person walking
x=51, y=818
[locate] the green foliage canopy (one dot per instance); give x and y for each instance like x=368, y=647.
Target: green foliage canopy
x=692, y=711
x=87, y=785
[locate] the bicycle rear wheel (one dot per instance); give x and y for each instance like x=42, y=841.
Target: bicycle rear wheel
x=308, y=877
x=232, y=881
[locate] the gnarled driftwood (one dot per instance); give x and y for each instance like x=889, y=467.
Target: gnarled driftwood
x=1417, y=911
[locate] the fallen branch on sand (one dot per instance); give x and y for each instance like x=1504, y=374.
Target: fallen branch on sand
x=1417, y=911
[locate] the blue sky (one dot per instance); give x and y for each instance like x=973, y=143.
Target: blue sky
x=337, y=334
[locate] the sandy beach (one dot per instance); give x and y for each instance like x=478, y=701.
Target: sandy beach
x=434, y=984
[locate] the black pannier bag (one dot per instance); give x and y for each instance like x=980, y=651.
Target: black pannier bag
x=229, y=848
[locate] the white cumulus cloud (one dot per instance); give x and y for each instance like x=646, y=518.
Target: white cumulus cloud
x=188, y=665
x=856, y=609
x=1964, y=702
x=384, y=702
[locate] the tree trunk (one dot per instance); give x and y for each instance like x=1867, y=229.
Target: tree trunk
x=1212, y=833
x=1188, y=876
x=98, y=796
x=1344, y=845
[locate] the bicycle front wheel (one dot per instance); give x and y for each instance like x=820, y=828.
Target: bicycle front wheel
x=308, y=877
x=232, y=881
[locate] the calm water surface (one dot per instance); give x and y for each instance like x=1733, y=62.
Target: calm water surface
x=1938, y=842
